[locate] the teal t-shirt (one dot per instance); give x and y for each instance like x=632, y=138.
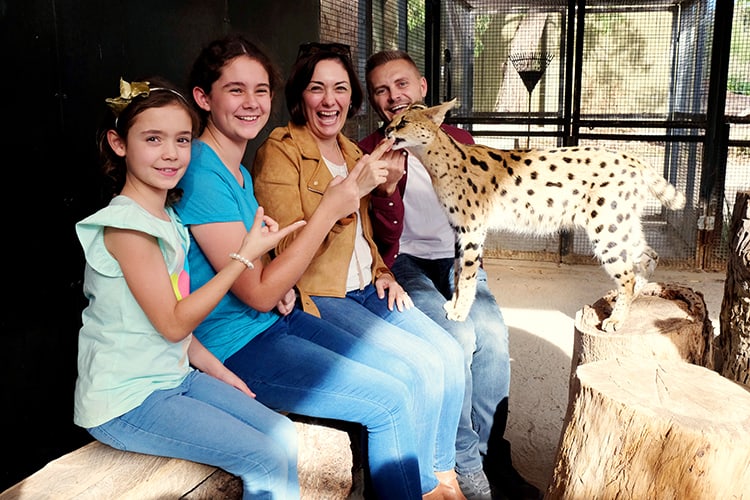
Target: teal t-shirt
x=212, y=194
x=122, y=359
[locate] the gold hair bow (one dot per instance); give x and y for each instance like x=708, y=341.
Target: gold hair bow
x=127, y=92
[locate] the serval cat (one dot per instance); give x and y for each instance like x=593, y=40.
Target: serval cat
x=537, y=192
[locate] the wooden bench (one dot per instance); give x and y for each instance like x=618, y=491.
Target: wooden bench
x=328, y=469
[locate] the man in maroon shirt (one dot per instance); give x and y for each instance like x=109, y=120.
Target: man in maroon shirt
x=417, y=242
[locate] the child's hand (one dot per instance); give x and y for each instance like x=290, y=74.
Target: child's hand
x=264, y=235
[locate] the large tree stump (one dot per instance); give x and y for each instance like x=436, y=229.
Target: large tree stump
x=647, y=429
x=732, y=358
x=666, y=321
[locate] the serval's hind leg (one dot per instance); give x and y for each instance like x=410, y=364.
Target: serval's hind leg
x=617, y=259
x=623, y=301
x=645, y=268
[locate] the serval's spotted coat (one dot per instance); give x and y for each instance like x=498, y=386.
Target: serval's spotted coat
x=537, y=192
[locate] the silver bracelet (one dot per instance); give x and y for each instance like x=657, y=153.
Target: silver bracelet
x=242, y=259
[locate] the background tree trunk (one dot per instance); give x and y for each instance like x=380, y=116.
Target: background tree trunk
x=732, y=358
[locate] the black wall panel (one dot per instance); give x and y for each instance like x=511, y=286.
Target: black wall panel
x=59, y=60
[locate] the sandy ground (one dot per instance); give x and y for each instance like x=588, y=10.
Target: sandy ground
x=539, y=301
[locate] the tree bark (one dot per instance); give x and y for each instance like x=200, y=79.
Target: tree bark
x=647, y=428
x=732, y=353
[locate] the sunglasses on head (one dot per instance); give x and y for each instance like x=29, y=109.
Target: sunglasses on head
x=310, y=48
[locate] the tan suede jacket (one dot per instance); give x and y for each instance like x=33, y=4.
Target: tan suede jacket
x=289, y=177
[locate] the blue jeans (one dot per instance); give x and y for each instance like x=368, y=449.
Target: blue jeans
x=208, y=421
x=484, y=338
x=304, y=365
x=430, y=364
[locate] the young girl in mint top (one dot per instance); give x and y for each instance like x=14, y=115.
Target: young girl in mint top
x=145, y=384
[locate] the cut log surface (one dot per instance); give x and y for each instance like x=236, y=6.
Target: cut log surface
x=99, y=472
x=733, y=343
x=649, y=429
x=666, y=321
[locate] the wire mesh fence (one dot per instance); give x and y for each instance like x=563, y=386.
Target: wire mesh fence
x=641, y=77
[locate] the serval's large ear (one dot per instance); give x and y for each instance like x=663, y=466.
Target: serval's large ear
x=437, y=113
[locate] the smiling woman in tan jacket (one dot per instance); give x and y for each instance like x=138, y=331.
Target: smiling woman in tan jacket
x=291, y=152
x=347, y=283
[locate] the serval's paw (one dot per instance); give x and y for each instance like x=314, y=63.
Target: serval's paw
x=455, y=311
